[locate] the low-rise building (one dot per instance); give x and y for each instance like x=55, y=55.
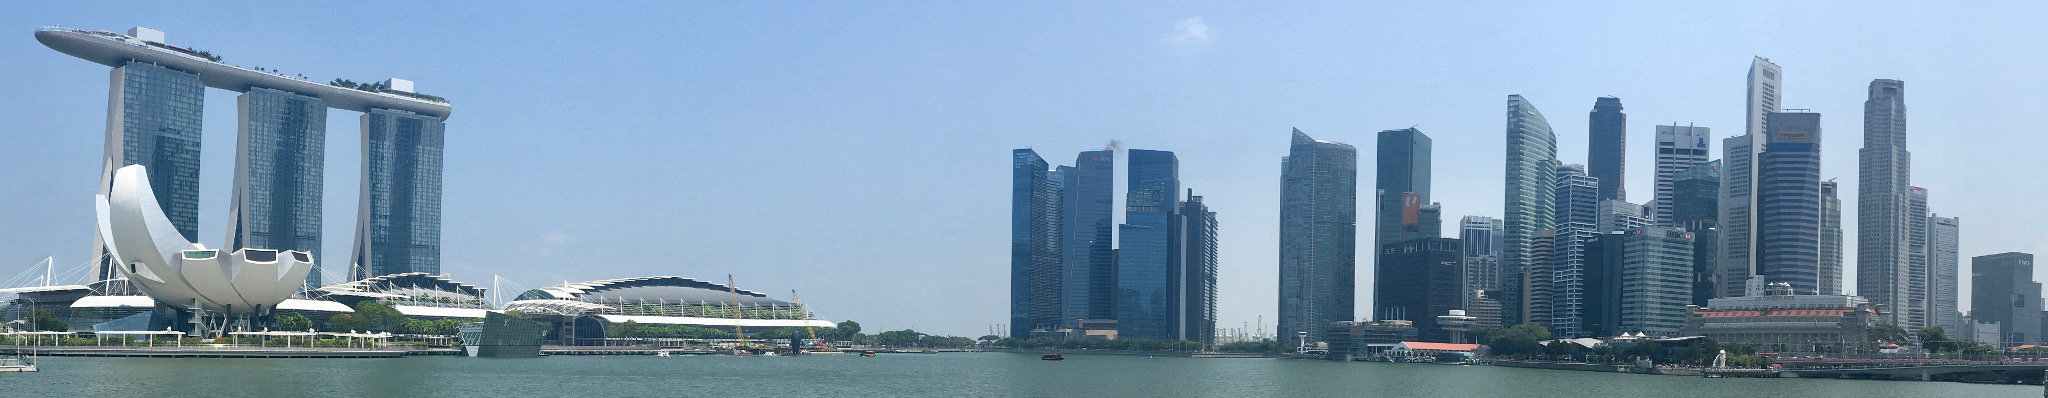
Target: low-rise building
x=1780, y=321
x=1349, y=340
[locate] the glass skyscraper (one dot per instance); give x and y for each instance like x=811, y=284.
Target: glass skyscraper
x=1530, y=192
x=1418, y=280
x=1789, y=202
x=1148, y=267
x=1034, y=241
x=1656, y=282
x=1318, y=236
x=279, y=155
x=1607, y=147
x=1577, y=220
x=1087, y=202
x=1402, y=180
x=1198, y=301
x=1884, y=223
x=2003, y=292
x=398, y=227
x=154, y=121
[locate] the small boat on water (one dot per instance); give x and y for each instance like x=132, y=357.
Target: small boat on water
x=1053, y=357
x=13, y=364
x=662, y=353
x=867, y=353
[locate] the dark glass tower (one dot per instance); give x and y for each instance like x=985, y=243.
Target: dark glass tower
x=1034, y=241
x=1530, y=191
x=1696, y=194
x=1087, y=200
x=1318, y=235
x=1198, y=301
x=279, y=155
x=153, y=120
x=1419, y=280
x=398, y=228
x=1148, y=270
x=2003, y=291
x=1789, y=202
x=1607, y=147
x=1403, y=184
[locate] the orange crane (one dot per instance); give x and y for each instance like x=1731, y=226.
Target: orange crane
x=805, y=316
x=736, y=331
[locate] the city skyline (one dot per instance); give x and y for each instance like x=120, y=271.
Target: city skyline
x=860, y=170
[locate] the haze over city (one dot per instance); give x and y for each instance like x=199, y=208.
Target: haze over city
x=859, y=152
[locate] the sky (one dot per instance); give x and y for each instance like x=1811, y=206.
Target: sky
x=858, y=152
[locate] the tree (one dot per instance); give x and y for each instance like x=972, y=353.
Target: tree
x=1518, y=341
x=45, y=321
x=850, y=328
x=898, y=338
x=1935, y=340
x=380, y=317
x=294, y=322
x=347, y=322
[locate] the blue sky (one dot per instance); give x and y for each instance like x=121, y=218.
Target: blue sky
x=858, y=151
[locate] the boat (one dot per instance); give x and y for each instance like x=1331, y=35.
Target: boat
x=662, y=353
x=1052, y=357
x=13, y=364
x=867, y=353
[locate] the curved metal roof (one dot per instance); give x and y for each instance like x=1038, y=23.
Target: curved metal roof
x=374, y=286
x=114, y=49
x=666, y=288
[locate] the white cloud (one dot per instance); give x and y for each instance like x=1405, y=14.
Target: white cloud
x=1189, y=32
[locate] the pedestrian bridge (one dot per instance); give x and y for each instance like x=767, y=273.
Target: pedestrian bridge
x=2030, y=372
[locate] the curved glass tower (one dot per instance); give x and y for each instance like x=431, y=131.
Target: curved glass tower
x=1531, y=190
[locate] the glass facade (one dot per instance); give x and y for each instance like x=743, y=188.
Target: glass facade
x=1318, y=236
x=1198, y=301
x=1695, y=196
x=398, y=228
x=1403, y=169
x=1149, y=263
x=1480, y=236
x=1087, y=203
x=1577, y=220
x=1656, y=282
x=1530, y=193
x=1888, y=242
x=2003, y=291
x=1678, y=148
x=1033, y=239
x=278, y=161
x=154, y=121
x=1607, y=147
x=1789, y=202
x=1419, y=280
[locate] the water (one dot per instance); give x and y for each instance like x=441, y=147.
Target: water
x=908, y=375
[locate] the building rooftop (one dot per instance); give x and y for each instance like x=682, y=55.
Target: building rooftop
x=114, y=50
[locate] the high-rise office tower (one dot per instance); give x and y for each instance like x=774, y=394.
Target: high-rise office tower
x=1480, y=236
x=1883, y=247
x=154, y=116
x=1530, y=192
x=1678, y=148
x=279, y=154
x=1537, y=283
x=1706, y=277
x=1655, y=284
x=1918, y=275
x=1830, y=274
x=1419, y=280
x=1088, y=280
x=398, y=228
x=1149, y=263
x=1403, y=180
x=1198, y=291
x=1034, y=244
x=2003, y=292
x=1607, y=147
x=1318, y=235
x=1695, y=196
x=1577, y=222
x=1600, y=288
x=1614, y=215
x=1739, y=180
x=1788, y=191
x=1942, y=258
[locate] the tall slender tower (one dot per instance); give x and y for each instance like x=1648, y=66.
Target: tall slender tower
x=1088, y=281
x=1830, y=282
x=1318, y=235
x=1034, y=243
x=1789, y=185
x=1678, y=148
x=1738, y=236
x=1883, y=198
x=1149, y=264
x=1481, y=240
x=1198, y=301
x=1919, y=276
x=1607, y=147
x=1530, y=195
x=1577, y=221
x=1942, y=233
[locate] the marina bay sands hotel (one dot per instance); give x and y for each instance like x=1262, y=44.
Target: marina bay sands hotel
x=155, y=98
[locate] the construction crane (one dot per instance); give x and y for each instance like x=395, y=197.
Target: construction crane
x=736, y=331
x=806, y=316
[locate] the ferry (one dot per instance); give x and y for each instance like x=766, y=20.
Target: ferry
x=867, y=353
x=1052, y=357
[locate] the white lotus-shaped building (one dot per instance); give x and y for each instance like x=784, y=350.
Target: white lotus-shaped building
x=159, y=261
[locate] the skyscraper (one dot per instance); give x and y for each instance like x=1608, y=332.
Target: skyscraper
x=1536, y=285
x=1695, y=196
x=1480, y=236
x=1034, y=244
x=1088, y=199
x=1830, y=274
x=398, y=228
x=1403, y=180
x=1198, y=299
x=1789, y=198
x=1884, y=180
x=1918, y=275
x=1739, y=180
x=1530, y=192
x=1942, y=239
x=1418, y=280
x=1577, y=222
x=1678, y=148
x=1614, y=215
x=1607, y=147
x=1655, y=281
x=279, y=155
x=1318, y=235
x=1149, y=264
x=2003, y=292
x=154, y=120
